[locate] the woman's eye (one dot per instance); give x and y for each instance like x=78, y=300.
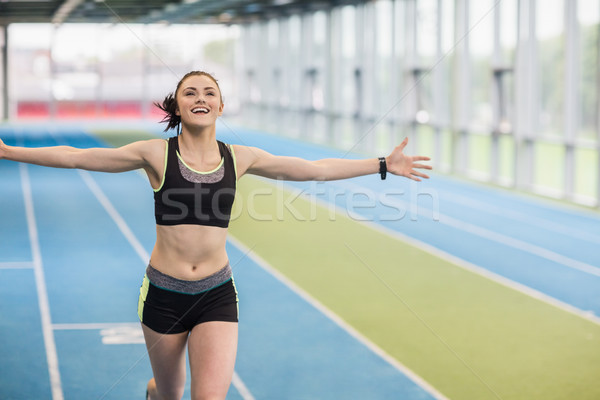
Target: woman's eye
x=210, y=94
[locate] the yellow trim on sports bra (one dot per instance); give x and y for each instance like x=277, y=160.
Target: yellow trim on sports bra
x=200, y=172
x=230, y=147
x=165, y=167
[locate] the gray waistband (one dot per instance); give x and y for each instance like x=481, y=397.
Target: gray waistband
x=164, y=281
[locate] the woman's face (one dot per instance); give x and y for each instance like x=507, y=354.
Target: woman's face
x=199, y=101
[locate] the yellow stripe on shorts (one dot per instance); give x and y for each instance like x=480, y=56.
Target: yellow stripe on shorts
x=142, y=298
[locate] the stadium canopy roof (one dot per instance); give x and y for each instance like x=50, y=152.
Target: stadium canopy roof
x=153, y=11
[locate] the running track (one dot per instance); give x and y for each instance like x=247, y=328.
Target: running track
x=74, y=246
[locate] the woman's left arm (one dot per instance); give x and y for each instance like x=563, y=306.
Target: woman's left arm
x=255, y=161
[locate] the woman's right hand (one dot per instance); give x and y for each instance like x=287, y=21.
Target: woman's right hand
x=2, y=149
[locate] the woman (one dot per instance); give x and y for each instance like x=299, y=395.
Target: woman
x=188, y=296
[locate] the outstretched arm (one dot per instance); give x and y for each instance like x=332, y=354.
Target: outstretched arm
x=132, y=156
x=258, y=162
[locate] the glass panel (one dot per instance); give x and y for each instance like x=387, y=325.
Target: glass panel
x=319, y=37
x=30, y=69
x=106, y=70
x=446, y=161
x=425, y=105
x=399, y=56
x=383, y=9
x=549, y=167
x=122, y=66
x=294, y=50
x=586, y=172
x=425, y=140
x=551, y=51
x=508, y=30
x=479, y=155
x=348, y=31
x=427, y=31
x=448, y=41
x=384, y=97
x=427, y=47
x=382, y=139
x=506, y=148
x=273, y=33
x=481, y=42
x=346, y=133
x=350, y=81
x=589, y=18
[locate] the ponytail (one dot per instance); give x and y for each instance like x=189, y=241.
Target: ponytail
x=169, y=106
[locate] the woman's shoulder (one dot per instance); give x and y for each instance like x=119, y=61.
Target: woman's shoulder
x=150, y=149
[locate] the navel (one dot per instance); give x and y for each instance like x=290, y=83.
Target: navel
x=194, y=267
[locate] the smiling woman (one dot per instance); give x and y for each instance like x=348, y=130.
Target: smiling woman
x=208, y=88
x=188, y=296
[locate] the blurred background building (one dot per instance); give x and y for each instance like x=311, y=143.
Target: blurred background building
x=504, y=92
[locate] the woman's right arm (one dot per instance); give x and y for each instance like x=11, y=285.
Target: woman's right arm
x=129, y=157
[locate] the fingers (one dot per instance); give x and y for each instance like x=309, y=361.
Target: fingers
x=419, y=174
x=422, y=166
x=415, y=175
x=421, y=158
x=403, y=144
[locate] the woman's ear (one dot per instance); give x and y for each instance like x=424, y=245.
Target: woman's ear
x=221, y=109
x=177, y=112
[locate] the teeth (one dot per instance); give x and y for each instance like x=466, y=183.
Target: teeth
x=200, y=109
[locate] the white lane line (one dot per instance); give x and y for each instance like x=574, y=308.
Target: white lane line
x=40, y=282
x=520, y=245
x=485, y=233
x=520, y=217
x=116, y=217
x=17, y=265
x=95, y=326
x=139, y=249
x=241, y=387
x=336, y=319
x=110, y=333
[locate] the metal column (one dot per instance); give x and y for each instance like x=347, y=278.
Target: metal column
x=571, y=105
x=526, y=98
x=461, y=95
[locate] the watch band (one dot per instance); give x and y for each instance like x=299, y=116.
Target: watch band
x=382, y=167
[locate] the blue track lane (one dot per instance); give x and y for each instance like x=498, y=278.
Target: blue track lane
x=14, y=246
x=23, y=367
x=288, y=349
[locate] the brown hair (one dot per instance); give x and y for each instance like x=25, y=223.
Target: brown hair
x=169, y=104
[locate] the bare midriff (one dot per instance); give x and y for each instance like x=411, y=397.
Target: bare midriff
x=189, y=252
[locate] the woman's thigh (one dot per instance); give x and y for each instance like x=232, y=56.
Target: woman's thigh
x=212, y=350
x=167, y=357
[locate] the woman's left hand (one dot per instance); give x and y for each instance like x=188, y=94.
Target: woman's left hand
x=399, y=163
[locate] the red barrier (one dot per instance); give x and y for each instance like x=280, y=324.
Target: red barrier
x=86, y=110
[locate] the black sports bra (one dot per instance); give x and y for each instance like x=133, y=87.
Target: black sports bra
x=187, y=196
